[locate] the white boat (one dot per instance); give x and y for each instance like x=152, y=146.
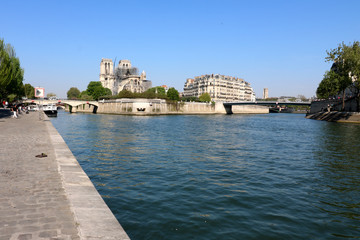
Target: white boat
x=33, y=108
x=50, y=109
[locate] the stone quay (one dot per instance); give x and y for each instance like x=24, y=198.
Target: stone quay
x=44, y=192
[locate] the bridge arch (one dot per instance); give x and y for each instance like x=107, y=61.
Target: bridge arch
x=228, y=105
x=76, y=103
x=71, y=103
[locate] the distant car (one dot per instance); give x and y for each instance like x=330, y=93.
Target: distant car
x=52, y=98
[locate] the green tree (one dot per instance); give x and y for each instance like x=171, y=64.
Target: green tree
x=159, y=90
x=205, y=97
x=11, y=74
x=96, y=90
x=92, y=87
x=302, y=97
x=329, y=86
x=148, y=94
x=346, y=66
x=73, y=93
x=155, y=92
x=173, y=94
x=85, y=96
x=12, y=97
x=125, y=94
x=29, y=91
x=49, y=95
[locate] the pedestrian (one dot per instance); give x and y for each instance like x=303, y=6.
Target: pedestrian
x=13, y=109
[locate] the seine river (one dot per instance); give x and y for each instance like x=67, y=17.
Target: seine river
x=271, y=176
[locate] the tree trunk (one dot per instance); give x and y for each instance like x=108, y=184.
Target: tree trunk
x=343, y=102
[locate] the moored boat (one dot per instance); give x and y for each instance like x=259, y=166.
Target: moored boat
x=50, y=109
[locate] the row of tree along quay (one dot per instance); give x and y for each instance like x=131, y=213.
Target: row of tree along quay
x=11, y=73
x=12, y=87
x=342, y=81
x=95, y=91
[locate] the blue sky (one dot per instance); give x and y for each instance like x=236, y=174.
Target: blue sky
x=280, y=45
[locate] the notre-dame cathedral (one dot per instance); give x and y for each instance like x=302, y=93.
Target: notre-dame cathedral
x=123, y=77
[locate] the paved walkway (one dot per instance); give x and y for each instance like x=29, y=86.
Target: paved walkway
x=49, y=197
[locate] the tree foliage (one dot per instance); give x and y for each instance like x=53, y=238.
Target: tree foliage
x=329, y=86
x=155, y=92
x=158, y=90
x=29, y=91
x=73, y=93
x=149, y=94
x=49, y=95
x=205, y=97
x=125, y=94
x=85, y=96
x=96, y=90
x=303, y=98
x=11, y=73
x=344, y=73
x=173, y=94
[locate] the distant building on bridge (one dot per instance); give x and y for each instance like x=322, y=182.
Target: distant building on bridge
x=124, y=76
x=220, y=87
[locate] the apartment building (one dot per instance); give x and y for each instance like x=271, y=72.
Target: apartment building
x=220, y=87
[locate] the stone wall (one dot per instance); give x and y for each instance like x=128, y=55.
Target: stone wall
x=349, y=117
x=335, y=105
x=161, y=107
x=153, y=107
x=250, y=109
x=86, y=108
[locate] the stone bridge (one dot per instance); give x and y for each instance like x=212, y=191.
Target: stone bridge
x=72, y=104
x=228, y=105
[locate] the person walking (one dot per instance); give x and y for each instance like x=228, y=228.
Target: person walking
x=14, y=110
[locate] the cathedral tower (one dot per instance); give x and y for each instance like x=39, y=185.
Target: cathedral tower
x=107, y=78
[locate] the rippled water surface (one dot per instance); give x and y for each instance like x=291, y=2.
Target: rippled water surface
x=273, y=176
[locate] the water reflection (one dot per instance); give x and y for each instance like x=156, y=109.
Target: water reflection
x=339, y=177
x=230, y=177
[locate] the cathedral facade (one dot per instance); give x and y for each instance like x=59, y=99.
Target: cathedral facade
x=124, y=76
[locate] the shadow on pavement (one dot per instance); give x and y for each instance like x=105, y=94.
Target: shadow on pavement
x=5, y=113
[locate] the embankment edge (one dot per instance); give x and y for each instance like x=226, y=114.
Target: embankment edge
x=93, y=217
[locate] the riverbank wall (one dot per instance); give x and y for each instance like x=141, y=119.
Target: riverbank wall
x=44, y=192
x=334, y=105
x=331, y=110
x=162, y=107
x=334, y=116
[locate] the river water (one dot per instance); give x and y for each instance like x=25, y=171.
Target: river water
x=271, y=176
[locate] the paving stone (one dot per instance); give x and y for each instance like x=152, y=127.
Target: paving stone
x=31, y=188
x=25, y=237
x=6, y=237
x=48, y=234
x=33, y=201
